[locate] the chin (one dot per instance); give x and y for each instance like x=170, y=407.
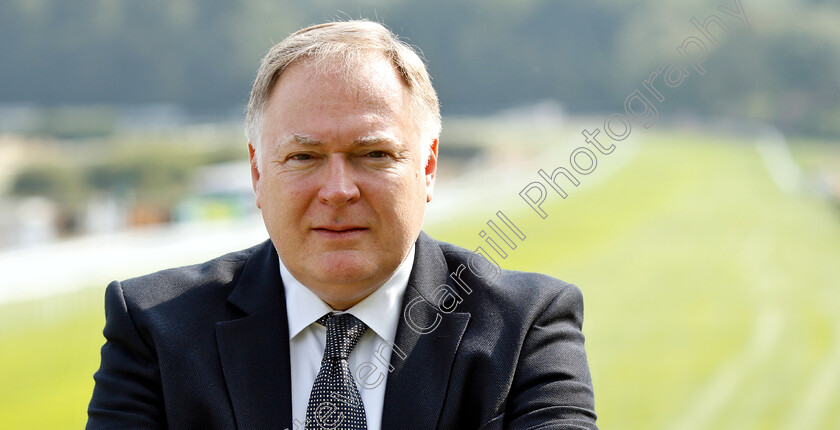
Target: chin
x=347, y=267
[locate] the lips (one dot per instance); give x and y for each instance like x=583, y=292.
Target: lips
x=339, y=231
x=339, y=228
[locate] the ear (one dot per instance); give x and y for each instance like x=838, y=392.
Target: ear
x=431, y=170
x=255, y=172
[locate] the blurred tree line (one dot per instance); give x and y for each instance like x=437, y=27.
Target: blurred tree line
x=484, y=55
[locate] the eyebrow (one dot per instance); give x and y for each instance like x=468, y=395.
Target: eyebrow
x=374, y=139
x=301, y=140
x=363, y=141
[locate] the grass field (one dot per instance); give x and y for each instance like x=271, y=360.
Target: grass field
x=712, y=297
x=48, y=353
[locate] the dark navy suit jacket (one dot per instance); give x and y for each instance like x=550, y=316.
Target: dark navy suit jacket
x=206, y=347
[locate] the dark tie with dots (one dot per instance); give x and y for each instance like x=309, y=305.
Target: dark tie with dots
x=335, y=402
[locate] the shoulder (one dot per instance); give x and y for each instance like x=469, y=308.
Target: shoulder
x=506, y=291
x=211, y=279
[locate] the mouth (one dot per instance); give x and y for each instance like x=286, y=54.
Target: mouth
x=339, y=232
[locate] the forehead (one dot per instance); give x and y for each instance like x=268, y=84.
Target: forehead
x=326, y=95
x=371, y=80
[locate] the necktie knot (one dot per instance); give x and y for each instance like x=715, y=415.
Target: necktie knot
x=343, y=333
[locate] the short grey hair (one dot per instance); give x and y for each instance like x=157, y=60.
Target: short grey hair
x=346, y=43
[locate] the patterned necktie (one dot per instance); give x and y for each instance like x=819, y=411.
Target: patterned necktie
x=335, y=402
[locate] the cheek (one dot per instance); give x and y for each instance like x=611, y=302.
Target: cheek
x=401, y=198
x=285, y=199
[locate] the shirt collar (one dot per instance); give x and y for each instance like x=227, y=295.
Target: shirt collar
x=380, y=311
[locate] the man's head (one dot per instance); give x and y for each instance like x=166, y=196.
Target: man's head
x=345, y=44
x=342, y=127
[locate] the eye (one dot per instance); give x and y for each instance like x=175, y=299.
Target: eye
x=300, y=157
x=377, y=154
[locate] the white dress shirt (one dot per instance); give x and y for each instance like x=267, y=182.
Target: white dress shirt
x=307, y=340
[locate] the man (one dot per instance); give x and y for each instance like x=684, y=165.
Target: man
x=349, y=316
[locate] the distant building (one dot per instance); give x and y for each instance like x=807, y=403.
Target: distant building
x=221, y=191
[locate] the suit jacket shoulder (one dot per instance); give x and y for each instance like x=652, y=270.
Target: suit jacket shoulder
x=182, y=284
x=170, y=334
x=509, y=297
x=508, y=287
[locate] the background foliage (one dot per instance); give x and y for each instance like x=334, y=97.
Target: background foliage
x=484, y=55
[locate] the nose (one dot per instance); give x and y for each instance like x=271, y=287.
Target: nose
x=339, y=187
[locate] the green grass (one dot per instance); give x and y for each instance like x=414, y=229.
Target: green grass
x=49, y=350
x=711, y=297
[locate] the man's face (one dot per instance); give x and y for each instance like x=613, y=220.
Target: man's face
x=342, y=186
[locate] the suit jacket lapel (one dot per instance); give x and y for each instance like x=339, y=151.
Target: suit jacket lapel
x=254, y=349
x=418, y=384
